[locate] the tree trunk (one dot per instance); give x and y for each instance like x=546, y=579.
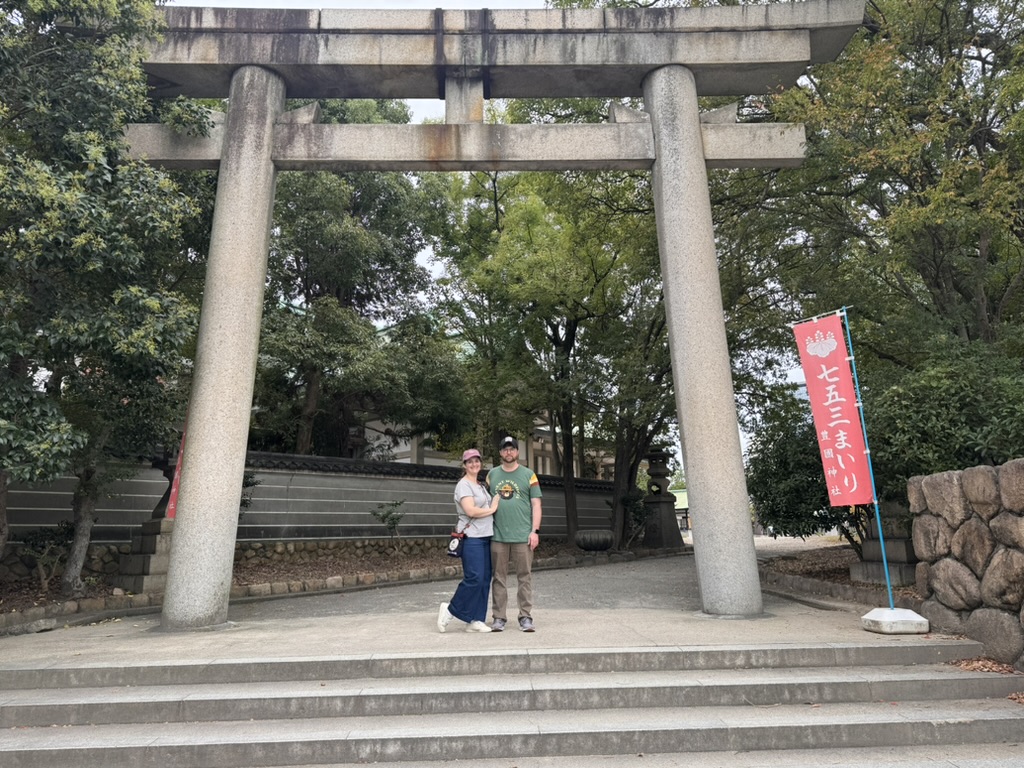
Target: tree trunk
x=620, y=486
x=572, y=522
x=556, y=447
x=310, y=404
x=83, y=504
x=5, y=530
x=631, y=445
x=581, y=444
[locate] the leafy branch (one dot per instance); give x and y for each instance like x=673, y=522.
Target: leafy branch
x=389, y=515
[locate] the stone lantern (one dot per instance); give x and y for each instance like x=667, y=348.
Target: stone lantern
x=662, y=530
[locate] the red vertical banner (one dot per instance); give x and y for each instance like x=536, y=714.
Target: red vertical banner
x=172, y=500
x=833, y=396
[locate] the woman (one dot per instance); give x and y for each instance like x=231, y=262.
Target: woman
x=476, y=509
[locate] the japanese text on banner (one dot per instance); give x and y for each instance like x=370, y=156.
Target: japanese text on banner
x=833, y=399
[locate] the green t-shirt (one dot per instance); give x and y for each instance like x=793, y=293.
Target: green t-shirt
x=513, y=522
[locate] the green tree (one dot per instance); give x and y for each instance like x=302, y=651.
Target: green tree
x=497, y=371
x=401, y=382
x=638, y=403
x=963, y=406
x=911, y=196
x=124, y=394
x=302, y=351
x=571, y=259
x=344, y=260
x=625, y=394
x=553, y=284
x=910, y=210
x=786, y=481
x=85, y=236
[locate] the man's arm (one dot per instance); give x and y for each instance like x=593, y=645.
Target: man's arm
x=534, y=539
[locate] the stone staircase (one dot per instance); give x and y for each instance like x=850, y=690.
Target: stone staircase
x=566, y=706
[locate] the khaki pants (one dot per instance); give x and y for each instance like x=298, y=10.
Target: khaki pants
x=520, y=556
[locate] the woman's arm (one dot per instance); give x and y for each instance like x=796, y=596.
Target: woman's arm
x=472, y=510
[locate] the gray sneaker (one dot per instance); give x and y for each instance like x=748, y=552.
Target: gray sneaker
x=526, y=624
x=498, y=625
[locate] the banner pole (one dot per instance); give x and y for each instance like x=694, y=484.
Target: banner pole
x=815, y=318
x=867, y=453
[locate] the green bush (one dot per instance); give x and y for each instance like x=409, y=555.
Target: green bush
x=963, y=407
x=786, y=482
x=49, y=548
x=390, y=515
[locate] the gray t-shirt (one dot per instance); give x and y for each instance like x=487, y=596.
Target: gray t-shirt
x=474, y=527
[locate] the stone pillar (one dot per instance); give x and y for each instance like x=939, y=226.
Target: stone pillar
x=899, y=548
x=463, y=100
x=202, y=549
x=723, y=541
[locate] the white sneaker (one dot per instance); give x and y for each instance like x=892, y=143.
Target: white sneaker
x=443, y=617
x=477, y=626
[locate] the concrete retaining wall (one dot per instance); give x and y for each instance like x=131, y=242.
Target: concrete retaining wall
x=300, y=502
x=969, y=535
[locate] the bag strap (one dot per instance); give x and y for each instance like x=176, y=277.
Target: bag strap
x=469, y=519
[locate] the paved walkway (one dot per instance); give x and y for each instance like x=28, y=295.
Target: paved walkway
x=643, y=603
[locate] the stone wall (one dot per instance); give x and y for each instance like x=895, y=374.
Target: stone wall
x=969, y=535
x=304, y=506
x=101, y=561
x=332, y=549
x=304, y=498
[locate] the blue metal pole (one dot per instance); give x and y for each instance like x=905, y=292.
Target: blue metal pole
x=867, y=453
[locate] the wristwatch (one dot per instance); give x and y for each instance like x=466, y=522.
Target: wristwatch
x=537, y=531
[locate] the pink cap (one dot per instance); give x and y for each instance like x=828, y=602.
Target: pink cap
x=472, y=453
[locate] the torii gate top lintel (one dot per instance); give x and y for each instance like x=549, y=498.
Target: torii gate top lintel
x=336, y=53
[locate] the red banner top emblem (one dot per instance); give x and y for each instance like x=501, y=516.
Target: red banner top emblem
x=833, y=396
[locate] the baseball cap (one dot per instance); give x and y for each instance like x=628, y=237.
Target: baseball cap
x=507, y=441
x=472, y=453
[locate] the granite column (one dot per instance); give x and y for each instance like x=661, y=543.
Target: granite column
x=202, y=548
x=723, y=540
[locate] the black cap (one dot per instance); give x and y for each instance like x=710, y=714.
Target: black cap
x=506, y=441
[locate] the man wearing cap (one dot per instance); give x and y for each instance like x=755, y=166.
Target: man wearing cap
x=516, y=533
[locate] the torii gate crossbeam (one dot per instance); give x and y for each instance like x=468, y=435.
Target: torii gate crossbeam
x=670, y=57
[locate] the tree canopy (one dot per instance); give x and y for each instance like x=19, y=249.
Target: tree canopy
x=89, y=323
x=350, y=362
x=909, y=210
x=553, y=282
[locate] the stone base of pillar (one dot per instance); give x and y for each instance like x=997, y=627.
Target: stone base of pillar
x=145, y=569
x=899, y=554
x=873, y=572
x=662, y=531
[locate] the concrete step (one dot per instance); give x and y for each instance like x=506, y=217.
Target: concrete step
x=1009, y=755
x=473, y=736
x=68, y=674
x=497, y=694
x=583, y=705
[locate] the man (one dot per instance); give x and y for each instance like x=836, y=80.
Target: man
x=516, y=533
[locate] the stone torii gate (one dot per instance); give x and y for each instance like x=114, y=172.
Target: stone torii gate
x=670, y=57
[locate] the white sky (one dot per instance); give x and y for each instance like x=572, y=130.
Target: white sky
x=421, y=108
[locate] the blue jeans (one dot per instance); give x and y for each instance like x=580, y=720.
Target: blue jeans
x=470, y=600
